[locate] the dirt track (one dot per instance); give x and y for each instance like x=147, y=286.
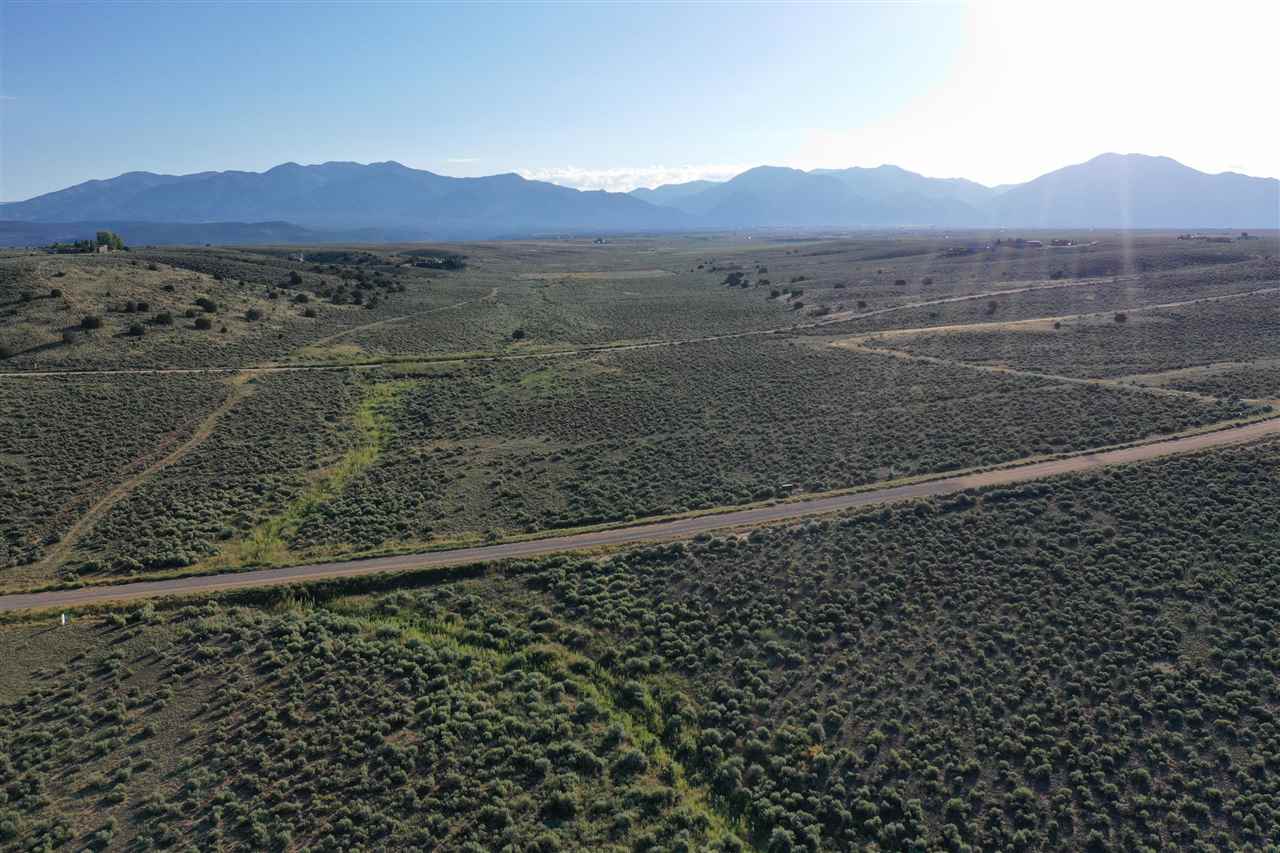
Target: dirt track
x=828, y=320
x=240, y=388
x=667, y=530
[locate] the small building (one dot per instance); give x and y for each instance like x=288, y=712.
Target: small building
x=103, y=249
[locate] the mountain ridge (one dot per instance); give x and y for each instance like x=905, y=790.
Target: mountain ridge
x=1188, y=198
x=1108, y=191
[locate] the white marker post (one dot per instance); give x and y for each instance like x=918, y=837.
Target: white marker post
x=64, y=618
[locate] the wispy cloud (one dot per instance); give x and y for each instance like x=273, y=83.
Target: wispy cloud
x=463, y=160
x=628, y=178
x=8, y=97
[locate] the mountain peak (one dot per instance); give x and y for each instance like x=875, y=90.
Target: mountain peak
x=1115, y=190
x=1114, y=158
x=769, y=170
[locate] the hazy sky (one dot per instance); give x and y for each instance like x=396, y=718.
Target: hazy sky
x=617, y=96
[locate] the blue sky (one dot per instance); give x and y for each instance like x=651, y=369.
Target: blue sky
x=618, y=95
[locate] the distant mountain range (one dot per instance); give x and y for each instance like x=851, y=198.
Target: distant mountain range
x=1109, y=191
x=389, y=201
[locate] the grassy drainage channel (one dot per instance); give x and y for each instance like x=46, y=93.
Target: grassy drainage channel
x=268, y=543
x=644, y=716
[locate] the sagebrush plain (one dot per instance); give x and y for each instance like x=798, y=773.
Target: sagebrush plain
x=1084, y=662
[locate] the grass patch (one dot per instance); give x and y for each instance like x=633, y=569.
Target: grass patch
x=267, y=543
x=645, y=723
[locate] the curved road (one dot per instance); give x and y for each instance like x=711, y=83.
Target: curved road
x=666, y=530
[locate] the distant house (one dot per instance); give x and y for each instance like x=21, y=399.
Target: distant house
x=103, y=249
x=1034, y=244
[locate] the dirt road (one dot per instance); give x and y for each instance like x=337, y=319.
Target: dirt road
x=999, y=369
x=441, y=358
x=666, y=530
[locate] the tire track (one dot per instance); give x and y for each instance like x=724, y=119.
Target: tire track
x=904, y=355
x=240, y=388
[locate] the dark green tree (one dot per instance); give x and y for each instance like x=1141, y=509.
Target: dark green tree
x=110, y=239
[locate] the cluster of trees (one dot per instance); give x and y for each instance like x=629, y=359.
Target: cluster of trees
x=362, y=289
x=110, y=239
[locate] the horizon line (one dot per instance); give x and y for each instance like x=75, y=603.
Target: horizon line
x=525, y=174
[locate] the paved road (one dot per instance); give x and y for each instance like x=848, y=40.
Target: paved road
x=667, y=530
